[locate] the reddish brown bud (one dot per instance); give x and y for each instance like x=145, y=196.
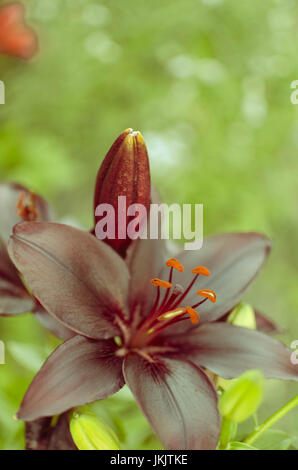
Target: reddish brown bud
x=124, y=172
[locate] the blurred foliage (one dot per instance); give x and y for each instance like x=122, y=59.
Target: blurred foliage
x=208, y=84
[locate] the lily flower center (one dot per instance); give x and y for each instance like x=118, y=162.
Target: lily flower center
x=172, y=309
x=26, y=206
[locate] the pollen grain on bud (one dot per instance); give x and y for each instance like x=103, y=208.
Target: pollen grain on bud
x=160, y=283
x=208, y=293
x=174, y=263
x=201, y=270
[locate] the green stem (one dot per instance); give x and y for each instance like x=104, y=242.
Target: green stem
x=228, y=432
x=272, y=420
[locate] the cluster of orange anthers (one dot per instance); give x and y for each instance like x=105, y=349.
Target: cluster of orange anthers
x=25, y=206
x=169, y=311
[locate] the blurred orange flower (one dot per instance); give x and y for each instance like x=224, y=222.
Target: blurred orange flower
x=16, y=38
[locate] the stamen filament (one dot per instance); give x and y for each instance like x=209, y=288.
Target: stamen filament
x=199, y=303
x=156, y=299
x=178, y=290
x=182, y=297
x=168, y=291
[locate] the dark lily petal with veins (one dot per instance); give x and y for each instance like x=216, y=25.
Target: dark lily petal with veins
x=229, y=350
x=9, y=196
x=178, y=400
x=8, y=272
x=234, y=260
x=54, y=326
x=266, y=325
x=263, y=323
x=77, y=278
x=14, y=299
x=77, y=372
x=144, y=260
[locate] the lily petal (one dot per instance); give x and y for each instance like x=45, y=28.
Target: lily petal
x=178, y=400
x=266, y=325
x=54, y=326
x=14, y=301
x=79, y=371
x=144, y=260
x=234, y=260
x=229, y=350
x=76, y=278
x=7, y=270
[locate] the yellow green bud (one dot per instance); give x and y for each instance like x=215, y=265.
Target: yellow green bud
x=242, y=396
x=90, y=432
x=243, y=315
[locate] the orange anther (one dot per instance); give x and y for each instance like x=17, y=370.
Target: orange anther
x=174, y=263
x=209, y=294
x=172, y=314
x=201, y=270
x=26, y=206
x=19, y=204
x=160, y=283
x=193, y=314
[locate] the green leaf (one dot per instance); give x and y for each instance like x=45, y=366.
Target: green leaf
x=242, y=396
x=27, y=355
x=274, y=440
x=240, y=446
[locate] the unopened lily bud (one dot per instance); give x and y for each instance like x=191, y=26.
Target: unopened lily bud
x=89, y=432
x=243, y=315
x=242, y=396
x=122, y=191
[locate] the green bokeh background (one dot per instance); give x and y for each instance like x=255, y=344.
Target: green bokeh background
x=207, y=82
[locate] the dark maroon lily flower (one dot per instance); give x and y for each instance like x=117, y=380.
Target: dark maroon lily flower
x=16, y=38
x=18, y=203
x=162, y=343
